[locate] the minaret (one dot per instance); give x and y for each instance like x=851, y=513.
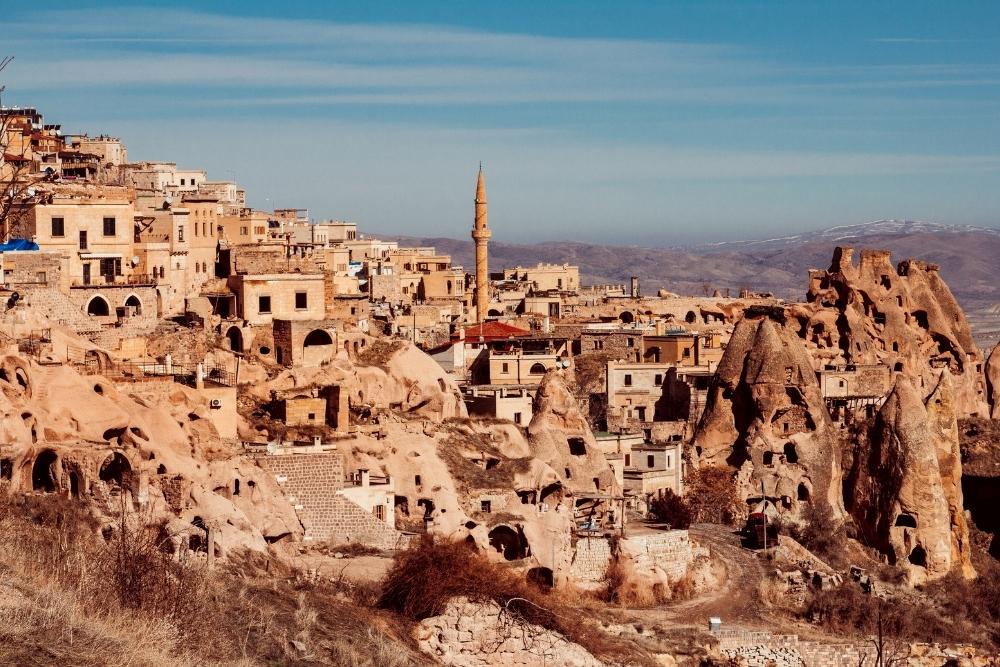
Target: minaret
x=481, y=235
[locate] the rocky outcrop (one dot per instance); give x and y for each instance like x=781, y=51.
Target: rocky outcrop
x=560, y=435
x=993, y=382
x=903, y=317
x=149, y=445
x=905, y=484
x=765, y=418
x=479, y=634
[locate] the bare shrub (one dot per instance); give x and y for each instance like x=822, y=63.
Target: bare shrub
x=672, y=509
x=711, y=495
x=142, y=575
x=430, y=573
x=822, y=534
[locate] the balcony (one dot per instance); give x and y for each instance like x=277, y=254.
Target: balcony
x=136, y=279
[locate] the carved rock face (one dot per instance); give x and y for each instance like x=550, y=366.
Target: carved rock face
x=903, y=317
x=905, y=484
x=765, y=417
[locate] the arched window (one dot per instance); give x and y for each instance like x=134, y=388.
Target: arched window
x=317, y=337
x=537, y=369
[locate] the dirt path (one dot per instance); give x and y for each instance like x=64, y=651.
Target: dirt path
x=737, y=599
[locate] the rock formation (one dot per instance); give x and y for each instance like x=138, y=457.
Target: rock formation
x=903, y=317
x=993, y=382
x=765, y=417
x=904, y=489
x=146, y=445
x=560, y=435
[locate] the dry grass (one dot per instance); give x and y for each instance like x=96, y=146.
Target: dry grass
x=378, y=352
x=69, y=597
x=460, y=443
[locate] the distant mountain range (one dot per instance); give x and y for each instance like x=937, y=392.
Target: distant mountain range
x=969, y=259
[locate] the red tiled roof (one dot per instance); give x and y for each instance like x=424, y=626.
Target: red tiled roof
x=492, y=331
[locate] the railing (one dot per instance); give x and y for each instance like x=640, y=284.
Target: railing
x=118, y=281
x=33, y=343
x=135, y=371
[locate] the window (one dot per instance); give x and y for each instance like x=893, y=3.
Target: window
x=577, y=446
x=628, y=460
x=58, y=227
x=486, y=506
x=263, y=304
x=312, y=416
x=244, y=231
x=182, y=181
x=670, y=461
x=650, y=460
x=505, y=367
x=641, y=413
x=840, y=383
x=630, y=342
x=517, y=417
x=628, y=380
x=301, y=301
x=180, y=233
x=416, y=480
x=687, y=352
x=83, y=240
x=379, y=512
x=658, y=380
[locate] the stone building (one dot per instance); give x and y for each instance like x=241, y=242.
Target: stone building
x=261, y=298
x=304, y=342
x=544, y=277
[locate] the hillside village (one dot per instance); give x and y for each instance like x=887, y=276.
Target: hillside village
x=263, y=383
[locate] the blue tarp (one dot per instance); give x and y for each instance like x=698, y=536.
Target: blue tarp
x=18, y=244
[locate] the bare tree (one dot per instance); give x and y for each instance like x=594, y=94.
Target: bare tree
x=17, y=179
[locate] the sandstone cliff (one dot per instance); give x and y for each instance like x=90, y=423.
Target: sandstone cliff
x=137, y=445
x=904, y=317
x=765, y=418
x=904, y=488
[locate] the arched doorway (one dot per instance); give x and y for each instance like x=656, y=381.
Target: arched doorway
x=235, y=337
x=318, y=347
x=134, y=302
x=537, y=369
x=98, y=307
x=45, y=472
x=116, y=469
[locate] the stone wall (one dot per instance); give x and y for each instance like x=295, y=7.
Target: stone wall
x=298, y=411
x=614, y=344
x=387, y=288
x=32, y=268
x=669, y=550
x=290, y=338
x=248, y=259
x=763, y=649
x=470, y=634
x=591, y=559
x=311, y=482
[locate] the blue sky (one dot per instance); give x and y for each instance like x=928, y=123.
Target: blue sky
x=652, y=123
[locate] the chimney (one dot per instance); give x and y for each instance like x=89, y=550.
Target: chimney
x=199, y=376
x=365, y=477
